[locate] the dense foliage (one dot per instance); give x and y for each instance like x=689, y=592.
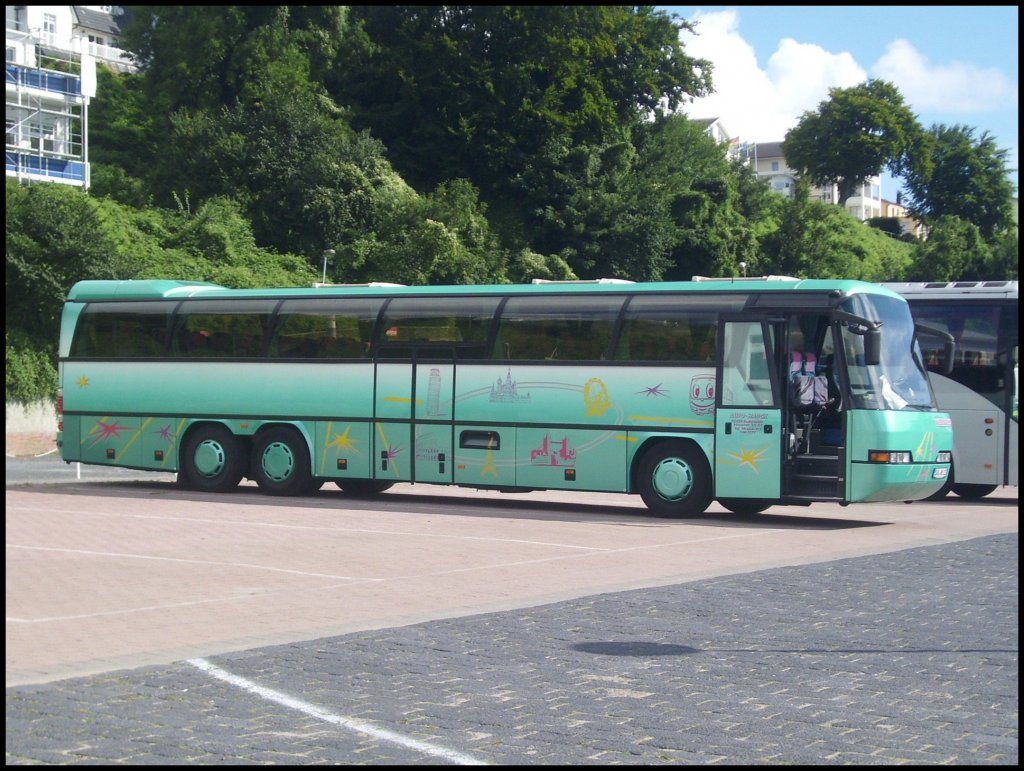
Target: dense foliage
x=461, y=144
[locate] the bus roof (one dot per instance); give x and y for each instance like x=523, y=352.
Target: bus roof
x=89, y=291
x=967, y=290
x=85, y=291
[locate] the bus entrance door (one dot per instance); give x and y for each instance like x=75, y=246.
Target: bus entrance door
x=748, y=415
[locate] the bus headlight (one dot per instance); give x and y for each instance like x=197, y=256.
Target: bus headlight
x=944, y=456
x=890, y=456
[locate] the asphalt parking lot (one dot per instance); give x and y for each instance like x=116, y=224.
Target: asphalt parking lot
x=882, y=635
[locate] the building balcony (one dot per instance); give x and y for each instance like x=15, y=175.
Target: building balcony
x=47, y=81
x=45, y=169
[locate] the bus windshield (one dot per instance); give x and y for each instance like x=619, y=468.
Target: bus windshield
x=898, y=381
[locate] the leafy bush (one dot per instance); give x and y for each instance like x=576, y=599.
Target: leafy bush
x=31, y=374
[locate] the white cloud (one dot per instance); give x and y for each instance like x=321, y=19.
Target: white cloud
x=760, y=104
x=755, y=104
x=953, y=88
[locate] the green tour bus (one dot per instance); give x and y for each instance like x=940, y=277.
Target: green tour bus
x=753, y=392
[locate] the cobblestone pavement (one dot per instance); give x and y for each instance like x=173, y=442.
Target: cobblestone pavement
x=900, y=658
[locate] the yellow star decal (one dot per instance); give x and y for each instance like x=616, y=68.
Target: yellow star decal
x=83, y=381
x=748, y=457
x=343, y=441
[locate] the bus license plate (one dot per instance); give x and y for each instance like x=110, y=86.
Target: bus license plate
x=940, y=473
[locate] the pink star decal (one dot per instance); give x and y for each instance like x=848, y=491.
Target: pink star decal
x=106, y=431
x=653, y=391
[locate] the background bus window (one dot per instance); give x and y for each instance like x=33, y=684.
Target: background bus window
x=325, y=329
x=556, y=328
x=122, y=330
x=980, y=359
x=656, y=329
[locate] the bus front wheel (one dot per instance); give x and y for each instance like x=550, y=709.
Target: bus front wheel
x=213, y=460
x=363, y=488
x=674, y=480
x=744, y=505
x=280, y=462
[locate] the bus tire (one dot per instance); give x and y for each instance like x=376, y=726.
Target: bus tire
x=674, y=480
x=363, y=488
x=744, y=505
x=973, y=492
x=280, y=462
x=213, y=459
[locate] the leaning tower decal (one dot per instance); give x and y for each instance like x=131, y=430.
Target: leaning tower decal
x=434, y=393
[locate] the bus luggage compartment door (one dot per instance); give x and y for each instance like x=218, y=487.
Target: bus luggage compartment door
x=392, y=430
x=432, y=422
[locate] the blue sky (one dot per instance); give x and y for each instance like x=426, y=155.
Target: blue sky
x=953, y=65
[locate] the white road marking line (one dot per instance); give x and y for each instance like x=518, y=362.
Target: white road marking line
x=126, y=611
x=353, y=724
x=275, y=525
x=192, y=562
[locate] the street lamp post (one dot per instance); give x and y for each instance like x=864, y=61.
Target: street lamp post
x=328, y=253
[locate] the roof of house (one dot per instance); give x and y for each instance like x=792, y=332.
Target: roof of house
x=96, y=20
x=769, y=149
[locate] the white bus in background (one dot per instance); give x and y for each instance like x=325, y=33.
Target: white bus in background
x=980, y=394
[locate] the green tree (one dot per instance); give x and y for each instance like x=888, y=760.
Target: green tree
x=54, y=237
x=1004, y=262
x=954, y=250
x=121, y=138
x=819, y=240
x=478, y=92
x=57, y=235
x=855, y=134
x=536, y=106
x=969, y=178
x=205, y=57
x=710, y=207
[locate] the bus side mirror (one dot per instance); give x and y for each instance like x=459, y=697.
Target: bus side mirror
x=873, y=346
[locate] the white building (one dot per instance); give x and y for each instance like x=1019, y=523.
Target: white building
x=766, y=159
x=51, y=57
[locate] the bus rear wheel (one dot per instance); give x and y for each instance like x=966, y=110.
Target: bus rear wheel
x=280, y=462
x=972, y=492
x=674, y=480
x=363, y=488
x=213, y=459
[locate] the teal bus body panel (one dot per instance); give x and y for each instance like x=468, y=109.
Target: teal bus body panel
x=484, y=456
x=559, y=458
x=924, y=434
x=344, y=449
x=145, y=442
x=584, y=396
x=219, y=389
x=546, y=421
x=572, y=427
